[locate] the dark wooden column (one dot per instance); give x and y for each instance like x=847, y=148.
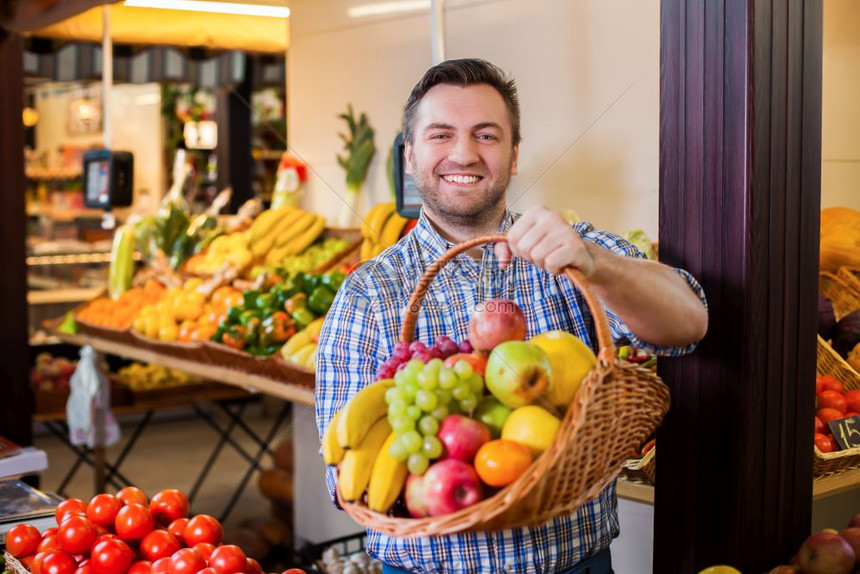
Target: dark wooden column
x=16, y=404
x=233, y=114
x=740, y=157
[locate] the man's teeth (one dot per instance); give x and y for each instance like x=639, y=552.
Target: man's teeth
x=461, y=178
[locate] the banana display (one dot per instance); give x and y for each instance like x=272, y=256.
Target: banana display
x=381, y=229
x=301, y=348
x=357, y=439
x=280, y=233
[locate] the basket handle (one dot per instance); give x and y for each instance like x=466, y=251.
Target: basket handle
x=606, y=348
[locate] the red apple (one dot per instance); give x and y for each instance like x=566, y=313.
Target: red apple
x=495, y=321
x=479, y=363
x=462, y=437
x=450, y=485
x=826, y=553
x=852, y=535
x=415, y=496
x=855, y=521
x=785, y=569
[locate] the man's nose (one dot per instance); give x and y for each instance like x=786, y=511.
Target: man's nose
x=463, y=151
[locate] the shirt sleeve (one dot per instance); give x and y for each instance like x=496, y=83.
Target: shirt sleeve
x=346, y=357
x=620, y=332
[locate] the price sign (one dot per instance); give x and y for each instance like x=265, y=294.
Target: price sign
x=846, y=431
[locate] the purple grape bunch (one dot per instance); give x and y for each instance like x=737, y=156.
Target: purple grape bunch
x=404, y=352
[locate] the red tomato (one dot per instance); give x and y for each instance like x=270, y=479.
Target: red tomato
x=820, y=427
x=832, y=400
x=76, y=535
x=253, y=567
x=161, y=566
x=205, y=549
x=828, y=383
x=186, y=561
x=84, y=569
x=141, y=567
x=208, y=570
x=50, y=532
x=27, y=561
x=22, y=540
x=70, y=506
x=48, y=544
x=158, y=544
x=177, y=528
x=203, y=528
x=294, y=571
x=58, y=562
x=826, y=443
x=228, y=559
x=169, y=505
x=36, y=565
x=852, y=398
x=103, y=508
x=827, y=415
x=134, y=521
x=110, y=556
x=131, y=494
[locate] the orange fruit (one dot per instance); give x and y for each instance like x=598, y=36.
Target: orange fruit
x=500, y=462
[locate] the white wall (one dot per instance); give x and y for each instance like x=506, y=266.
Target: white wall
x=840, y=144
x=135, y=125
x=572, y=60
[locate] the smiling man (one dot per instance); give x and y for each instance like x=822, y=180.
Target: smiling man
x=462, y=132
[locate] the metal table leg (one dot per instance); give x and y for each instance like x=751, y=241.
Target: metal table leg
x=204, y=472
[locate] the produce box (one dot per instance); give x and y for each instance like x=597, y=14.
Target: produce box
x=830, y=363
x=188, y=351
x=270, y=367
x=353, y=235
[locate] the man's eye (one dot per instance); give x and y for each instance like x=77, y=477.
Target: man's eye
x=438, y=136
x=487, y=137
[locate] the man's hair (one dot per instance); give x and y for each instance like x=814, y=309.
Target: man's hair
x=465, y=72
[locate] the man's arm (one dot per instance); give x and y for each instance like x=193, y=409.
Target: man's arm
x=653, y=300
x=346, y=357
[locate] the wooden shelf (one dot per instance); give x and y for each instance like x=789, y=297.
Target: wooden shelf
x=251, y=382
x=821, y=487
x=62, y=215
x=63, y=296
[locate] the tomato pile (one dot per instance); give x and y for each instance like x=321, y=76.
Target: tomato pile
x=833, y=402
x=128, y=534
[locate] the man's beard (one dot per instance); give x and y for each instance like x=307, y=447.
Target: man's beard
x=483, y=210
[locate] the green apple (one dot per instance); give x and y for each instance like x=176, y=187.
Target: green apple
x=518, y=372
x=493, y=414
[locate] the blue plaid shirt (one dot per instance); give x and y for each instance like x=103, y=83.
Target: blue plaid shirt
x=362, y=328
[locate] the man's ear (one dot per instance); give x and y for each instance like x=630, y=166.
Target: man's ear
x=514, y=168
x=407, y=157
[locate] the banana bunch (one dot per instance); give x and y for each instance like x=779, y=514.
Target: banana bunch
x=358, y=440
x=301, y=348
x=381, y=229
x=231, y=249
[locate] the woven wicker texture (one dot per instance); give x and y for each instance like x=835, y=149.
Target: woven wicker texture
x=844, y=297
x=618, y=406
x=851, y=277
x=642, y=470
x=830, y=363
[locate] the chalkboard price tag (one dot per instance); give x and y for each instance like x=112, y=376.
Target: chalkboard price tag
x=846, y=431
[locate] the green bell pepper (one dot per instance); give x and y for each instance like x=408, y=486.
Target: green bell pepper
x=320, y=300
x=303, y=317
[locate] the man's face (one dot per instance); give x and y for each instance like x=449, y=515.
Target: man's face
x=462, y=157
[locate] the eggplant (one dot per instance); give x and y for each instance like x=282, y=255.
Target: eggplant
x=826, y=317
x=846, y=335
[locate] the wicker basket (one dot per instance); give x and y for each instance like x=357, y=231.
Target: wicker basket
x=618, y=406
x=842, y=295
x=830, y=363
x=851, y=277
x=14, y=565
x=641, y=470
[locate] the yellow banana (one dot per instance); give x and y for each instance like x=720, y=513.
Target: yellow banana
x=386, y=479
x=315, y=326
x=331, y=451
x=267, y=221
x=367, y=226
x=301, y=356
x=298, y=227
x=392, y=230
x=303, y=241
x=358, y=462
x=266, y=242
x=361, y=412
x=298, y=341
x=377, y=223
x=311, y=360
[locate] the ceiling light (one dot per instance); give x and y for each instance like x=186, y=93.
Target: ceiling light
x=216, y=7
x=382, y=8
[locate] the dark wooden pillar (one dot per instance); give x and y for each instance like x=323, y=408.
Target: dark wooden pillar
x=740, y=157
x=233, y=114
x=16, y=404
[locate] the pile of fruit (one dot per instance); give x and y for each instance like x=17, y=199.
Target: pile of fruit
x=119, y=313
x=140, y=377
x=127, y=533
x=844, y=334
x=445, y=425
x=51, y=372
x=382, y=228
x=833, y=403
x=827, y=552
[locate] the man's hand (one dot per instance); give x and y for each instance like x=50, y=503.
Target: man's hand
x=543, y=238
